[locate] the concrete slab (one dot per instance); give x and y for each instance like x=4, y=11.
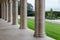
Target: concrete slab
x=12, y=32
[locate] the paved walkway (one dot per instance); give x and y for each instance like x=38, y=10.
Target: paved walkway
x=53, y=21
x=12, y=32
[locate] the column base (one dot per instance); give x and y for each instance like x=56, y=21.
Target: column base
x=5, y=19
x=22, y=28
x=9, y=21
x=39, y=35
x=14, y=24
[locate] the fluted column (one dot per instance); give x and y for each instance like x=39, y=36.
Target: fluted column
x=2, y=9
x=14, y=12
x=23, y=14
x=39, y=18
x=9, y=10
x=5, y=10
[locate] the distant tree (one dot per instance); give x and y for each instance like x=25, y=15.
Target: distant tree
x=56, y=15
x=29, y=9
x=51, y=13
x=18, y=7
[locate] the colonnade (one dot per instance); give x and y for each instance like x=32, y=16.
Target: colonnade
x=9, y=9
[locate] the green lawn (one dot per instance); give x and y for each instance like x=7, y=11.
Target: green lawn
x=52, y=29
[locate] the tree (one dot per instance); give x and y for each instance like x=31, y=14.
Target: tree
x=51, y=14
x=30, y=11
x=18, y=7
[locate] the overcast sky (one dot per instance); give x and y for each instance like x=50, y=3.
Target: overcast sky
x=55, y=4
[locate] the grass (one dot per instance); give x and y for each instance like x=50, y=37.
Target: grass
x=52, y=29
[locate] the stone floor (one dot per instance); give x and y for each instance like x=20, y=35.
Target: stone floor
x=12, y=32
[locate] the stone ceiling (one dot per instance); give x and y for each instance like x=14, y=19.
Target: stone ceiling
x=1, y=1
x=4, y=0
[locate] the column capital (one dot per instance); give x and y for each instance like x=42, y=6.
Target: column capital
x=10, y=1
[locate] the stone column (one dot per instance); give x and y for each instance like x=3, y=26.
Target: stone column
x=9, y=10
x=39, y=18
x=2, y=9
x=5, y=10
x=23, y=14
x=14, y=12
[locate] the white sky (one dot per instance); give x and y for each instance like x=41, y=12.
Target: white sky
x=55, y=4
